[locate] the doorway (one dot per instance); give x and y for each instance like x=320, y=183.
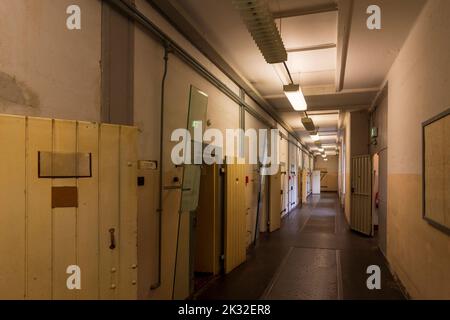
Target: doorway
x=361, y=197
x=300, y=186
x=382, y=199
x=207, y=229
x=275, y=210
x=375, y=191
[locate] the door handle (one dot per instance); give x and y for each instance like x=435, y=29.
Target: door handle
x=112, y=238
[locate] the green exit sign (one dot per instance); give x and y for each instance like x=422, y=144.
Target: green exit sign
x=374, y=132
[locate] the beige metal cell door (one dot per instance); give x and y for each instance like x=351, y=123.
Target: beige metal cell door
x=361, y=200
x=235, y=216
x=275, y=202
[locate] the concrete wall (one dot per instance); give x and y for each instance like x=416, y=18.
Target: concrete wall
x=379, y=119
x=45, y=69
x=418, y=90
x=359, y=139
x=330, y=180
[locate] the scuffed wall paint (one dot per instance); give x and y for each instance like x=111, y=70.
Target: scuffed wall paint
x=12, y=91
x=418, y=90
x=45, y=69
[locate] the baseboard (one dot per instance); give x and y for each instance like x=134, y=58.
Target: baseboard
x=397, y=279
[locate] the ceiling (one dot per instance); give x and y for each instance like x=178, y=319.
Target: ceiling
x=313, y=43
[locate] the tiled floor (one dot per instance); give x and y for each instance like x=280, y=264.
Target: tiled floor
x=313, y=256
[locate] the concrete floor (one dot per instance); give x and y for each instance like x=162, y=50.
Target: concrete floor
x=313, y=257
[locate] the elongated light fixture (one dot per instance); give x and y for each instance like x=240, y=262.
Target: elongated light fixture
x=260, y=23
x=295, y=95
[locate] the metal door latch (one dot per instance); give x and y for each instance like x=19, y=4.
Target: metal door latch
x=113, y=238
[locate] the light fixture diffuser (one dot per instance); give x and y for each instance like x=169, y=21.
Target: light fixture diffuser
x=295, y=95
x=260, y=23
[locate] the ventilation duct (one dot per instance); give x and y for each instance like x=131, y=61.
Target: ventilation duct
x=308, y=124
x=261, y=25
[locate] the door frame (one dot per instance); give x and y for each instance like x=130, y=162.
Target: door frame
x=359, y=222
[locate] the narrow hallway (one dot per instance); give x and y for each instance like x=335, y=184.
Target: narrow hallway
x=209, y=150
x=313, y=256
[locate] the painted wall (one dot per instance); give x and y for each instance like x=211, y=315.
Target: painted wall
x=45, y=69
x=330, y=180
x=418, y=90
x=359, y=133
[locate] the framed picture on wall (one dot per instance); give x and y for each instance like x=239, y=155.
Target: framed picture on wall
x=436, y=171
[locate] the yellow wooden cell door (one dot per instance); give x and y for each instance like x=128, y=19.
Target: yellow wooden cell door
x=67, y=198
x=235, y=216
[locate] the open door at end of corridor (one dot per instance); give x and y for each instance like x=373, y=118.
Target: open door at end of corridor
x=361, y=202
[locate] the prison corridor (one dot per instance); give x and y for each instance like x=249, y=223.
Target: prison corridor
x=313, y=256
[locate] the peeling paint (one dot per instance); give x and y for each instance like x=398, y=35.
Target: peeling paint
x=13, y=91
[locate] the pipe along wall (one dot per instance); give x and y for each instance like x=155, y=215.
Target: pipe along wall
x=79, y=96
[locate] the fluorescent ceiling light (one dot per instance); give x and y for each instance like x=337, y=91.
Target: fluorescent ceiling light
x=261, y=25
x=308, y=124
x=315, y=137
x=296, y=97
x=281, y=72
x=321, y=150
x=325, y=159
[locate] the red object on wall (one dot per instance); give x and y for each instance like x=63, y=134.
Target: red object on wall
x=246, y=180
